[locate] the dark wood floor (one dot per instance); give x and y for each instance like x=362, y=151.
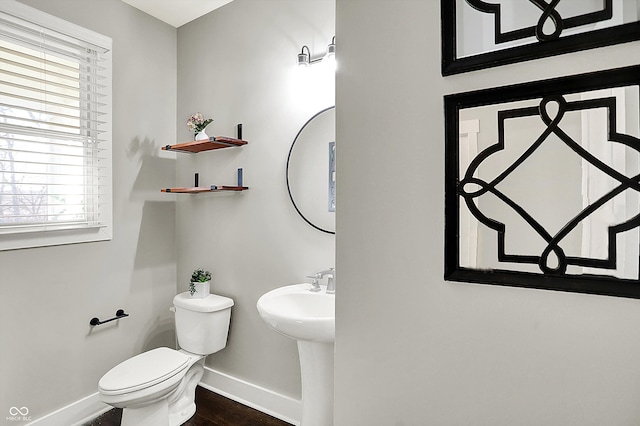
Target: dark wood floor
x=212, y=410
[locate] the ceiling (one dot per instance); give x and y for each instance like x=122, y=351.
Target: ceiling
x=177, y=12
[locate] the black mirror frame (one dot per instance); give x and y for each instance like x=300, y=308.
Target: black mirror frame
x=592, y=284
x=327, y=231
x=451, y=64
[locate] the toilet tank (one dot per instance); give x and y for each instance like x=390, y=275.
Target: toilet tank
x=202, y=325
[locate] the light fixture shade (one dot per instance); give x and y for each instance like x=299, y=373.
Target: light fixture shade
x=304, y=58
x=331, y=50
x=330, y=57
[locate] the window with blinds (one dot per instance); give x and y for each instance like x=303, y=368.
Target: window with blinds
x=55, y=130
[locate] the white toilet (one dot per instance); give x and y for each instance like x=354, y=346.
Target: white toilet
x=157, y=387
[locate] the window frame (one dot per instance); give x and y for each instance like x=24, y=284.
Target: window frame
x=40, y=238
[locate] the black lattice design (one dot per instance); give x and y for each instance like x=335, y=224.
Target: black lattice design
x=547, y=38
x=549, y=14
x=554, y=242
x=549, y=102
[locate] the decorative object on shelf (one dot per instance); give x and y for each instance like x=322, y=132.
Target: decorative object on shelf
x=549, y=197
x=200, y=284
x=479, y=34
x=197, y=123
x=201, y=136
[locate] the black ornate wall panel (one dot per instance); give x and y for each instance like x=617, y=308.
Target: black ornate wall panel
x=479, y=34
x=543, y=184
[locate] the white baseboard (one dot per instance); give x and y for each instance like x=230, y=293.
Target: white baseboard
x=76, y=413
x=277, y=405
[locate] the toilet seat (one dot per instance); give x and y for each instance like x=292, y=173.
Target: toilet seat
x=143, y=371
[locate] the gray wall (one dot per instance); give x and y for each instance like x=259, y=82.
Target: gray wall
x=412, y=349
x=238, y=65
x=49, y=355
x=253, y=242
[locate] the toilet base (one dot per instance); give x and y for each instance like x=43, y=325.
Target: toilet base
x=182, y=403
x=156, y=414
x=180, y=417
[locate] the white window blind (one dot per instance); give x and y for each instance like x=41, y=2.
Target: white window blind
x=55, y=130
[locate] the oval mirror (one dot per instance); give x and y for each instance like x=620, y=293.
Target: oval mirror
x=311, y=171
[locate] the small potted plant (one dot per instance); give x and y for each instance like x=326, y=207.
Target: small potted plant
x=197, y=123
x=200, y=284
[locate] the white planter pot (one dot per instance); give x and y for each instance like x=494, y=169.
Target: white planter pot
x=202, y=290
x=202, y=136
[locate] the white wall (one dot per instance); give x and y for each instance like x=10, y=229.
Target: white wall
x=412, y=349
x=238, y=65
x=49, y=355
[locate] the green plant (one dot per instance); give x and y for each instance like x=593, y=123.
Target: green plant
x=197, y=123
x=198, y=276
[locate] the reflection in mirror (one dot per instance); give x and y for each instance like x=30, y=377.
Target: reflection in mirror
x=546, y=189
x=311, y=171
x=483, y=33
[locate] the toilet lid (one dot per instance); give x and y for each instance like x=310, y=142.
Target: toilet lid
x=142, y=371
x=211, y=303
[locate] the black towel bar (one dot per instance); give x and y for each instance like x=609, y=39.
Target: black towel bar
x=119, y=314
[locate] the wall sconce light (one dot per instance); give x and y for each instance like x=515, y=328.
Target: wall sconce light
x=304, y=57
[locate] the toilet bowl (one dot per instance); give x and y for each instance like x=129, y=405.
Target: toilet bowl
x=157, y=387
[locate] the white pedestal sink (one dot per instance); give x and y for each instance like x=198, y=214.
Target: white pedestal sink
x=309, y=318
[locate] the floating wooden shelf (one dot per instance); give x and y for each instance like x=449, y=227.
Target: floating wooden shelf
x=216, y=142
x=198, y=189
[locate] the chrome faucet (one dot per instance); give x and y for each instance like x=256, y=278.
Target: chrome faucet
x=331, y=280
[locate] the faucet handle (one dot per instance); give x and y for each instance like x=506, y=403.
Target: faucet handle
x=315, y=285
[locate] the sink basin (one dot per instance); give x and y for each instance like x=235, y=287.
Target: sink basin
x=300, y=314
